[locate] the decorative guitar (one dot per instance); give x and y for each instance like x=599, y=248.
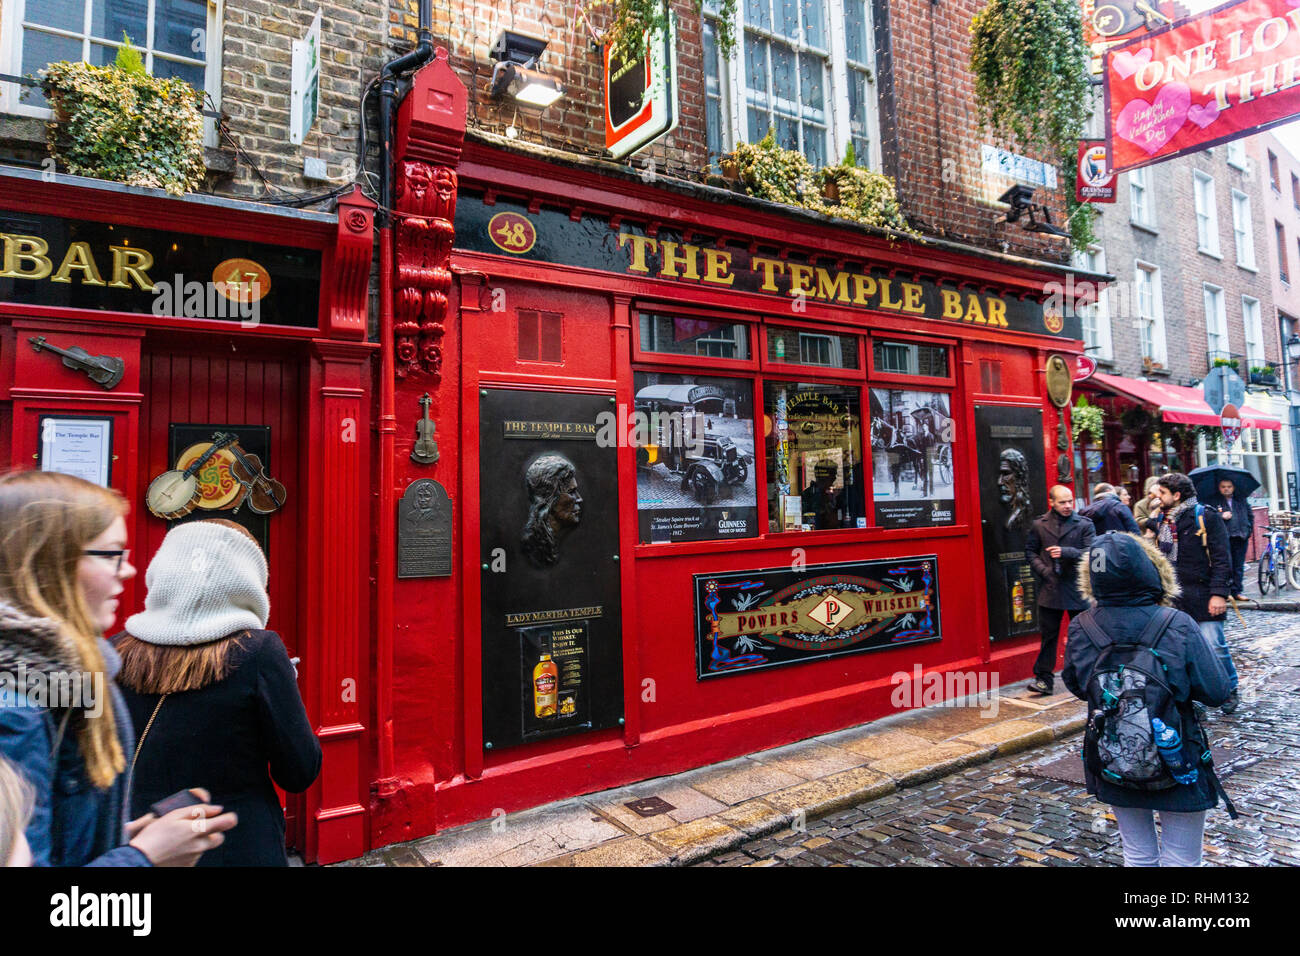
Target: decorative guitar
x=265, y=494
x=174, y=494
x=107, y=370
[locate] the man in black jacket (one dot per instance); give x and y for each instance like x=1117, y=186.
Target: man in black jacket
x=1241, y=525
x=1195, y=540
x=1055, y=545
x=1107, y=512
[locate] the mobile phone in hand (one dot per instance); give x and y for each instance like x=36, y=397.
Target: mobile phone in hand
x=181, y=798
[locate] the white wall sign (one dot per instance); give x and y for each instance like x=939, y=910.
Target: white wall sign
x=82, y=447
x=304, y=97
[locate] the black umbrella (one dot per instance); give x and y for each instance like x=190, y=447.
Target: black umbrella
x=1207, y=481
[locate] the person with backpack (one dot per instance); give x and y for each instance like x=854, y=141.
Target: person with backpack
x=1140, y=664
x=1195, y=540
x=1107, y=512
x=1054, y=545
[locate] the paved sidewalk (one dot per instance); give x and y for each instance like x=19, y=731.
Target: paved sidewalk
x=714, y=809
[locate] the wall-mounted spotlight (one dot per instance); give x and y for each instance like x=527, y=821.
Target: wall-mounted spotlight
x=1018, y=198
x=516, y=75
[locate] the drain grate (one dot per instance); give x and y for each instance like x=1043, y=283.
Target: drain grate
x=650, y=806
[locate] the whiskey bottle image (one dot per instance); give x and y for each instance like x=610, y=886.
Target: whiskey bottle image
x=546, y=678
x=1018, y=602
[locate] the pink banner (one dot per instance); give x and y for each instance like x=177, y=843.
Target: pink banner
x=1226, y=74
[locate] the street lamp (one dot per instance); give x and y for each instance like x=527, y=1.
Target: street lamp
x=1293, y=347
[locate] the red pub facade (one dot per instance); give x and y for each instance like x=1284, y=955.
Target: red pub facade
x=619, y=602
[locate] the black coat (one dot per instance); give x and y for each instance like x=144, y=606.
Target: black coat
x=1108, y=513
x=1131, y=581
x=1205, y=569
x=1242, y=522
x=1074, y=536
x=223, y=737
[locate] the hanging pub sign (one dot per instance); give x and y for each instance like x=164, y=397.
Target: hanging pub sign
x=1209, y=79
x=593, y=241
x=752, y=620
x=1085, y=366
x=641, y=95
x=1095, y=181
x=108, y=267
x=1107, y=23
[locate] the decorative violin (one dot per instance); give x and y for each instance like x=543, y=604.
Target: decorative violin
x=265, y=494
x=107, y=370
x=425, y=451
x=174, y=494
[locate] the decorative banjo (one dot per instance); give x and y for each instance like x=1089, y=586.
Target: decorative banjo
x=174, y=494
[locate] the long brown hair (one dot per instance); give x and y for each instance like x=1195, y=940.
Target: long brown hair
x=46, y=520
x=169, y=669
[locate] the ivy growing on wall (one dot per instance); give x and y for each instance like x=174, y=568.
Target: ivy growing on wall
x=1031, y=83
x=633, y=18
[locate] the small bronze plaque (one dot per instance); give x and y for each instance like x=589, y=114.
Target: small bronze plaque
x=424, y=531
x=1060, y=382
x=650, y=806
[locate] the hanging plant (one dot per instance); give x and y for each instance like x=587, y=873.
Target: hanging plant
x=1031, y=82
x=121, y=124
x=1087, y=419
x=774, y=173
x=632, y=19
x=1136, y=420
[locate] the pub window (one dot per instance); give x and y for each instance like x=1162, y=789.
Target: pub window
x=797, y=346
x=912, y=458
x=694, y=438
x=814, y=456
x=540, y=336
x=906, y=358
x=689, y=335
x=178, y=38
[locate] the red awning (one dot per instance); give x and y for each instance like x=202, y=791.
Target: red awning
x=1178, y=404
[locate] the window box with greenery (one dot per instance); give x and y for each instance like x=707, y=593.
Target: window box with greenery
x=1226, y=363
x=121, y=124
x=1265, y=375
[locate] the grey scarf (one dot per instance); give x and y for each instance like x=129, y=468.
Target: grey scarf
x=1167, y=538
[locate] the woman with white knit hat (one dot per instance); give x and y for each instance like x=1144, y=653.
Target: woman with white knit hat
x=213, y=692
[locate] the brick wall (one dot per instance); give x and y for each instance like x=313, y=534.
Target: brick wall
x=940, y=181
x=257, y=43
x=1278, y=205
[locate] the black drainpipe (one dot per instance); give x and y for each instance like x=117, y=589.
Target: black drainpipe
x=388, y=101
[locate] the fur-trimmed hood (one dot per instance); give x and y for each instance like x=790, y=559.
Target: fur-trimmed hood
x=1127, y=571
x=36, y=642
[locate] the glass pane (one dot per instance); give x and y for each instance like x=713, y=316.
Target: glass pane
x=108, y=18
x=814, y=20
x=180, y=27
x=855, y=31
x=810, y=85
x=912, y=458
x=783, y=84
x=680, y=335
x=904, y=358
x=756, y=69
x=814, y=457
x=787, y=132
x=694, y=438
x=814, y=145
x=191, y=73
x=758, y=123
x=812, y=348
x=64, y=14
x=787, y=18
x=757, y=13
x=39, y=51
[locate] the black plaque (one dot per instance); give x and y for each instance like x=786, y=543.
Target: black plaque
x=1292, y=491
x=424, y=531
x=549, y=537
x=750, y=620
x=1013, y=492
x=221, y=498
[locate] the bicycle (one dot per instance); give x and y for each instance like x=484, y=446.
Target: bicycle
x=1273, y=563
x=1293, y=562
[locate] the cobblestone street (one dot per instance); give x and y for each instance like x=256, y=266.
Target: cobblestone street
x=1010, y=812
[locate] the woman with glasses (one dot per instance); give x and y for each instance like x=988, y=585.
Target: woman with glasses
x=63, y=561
